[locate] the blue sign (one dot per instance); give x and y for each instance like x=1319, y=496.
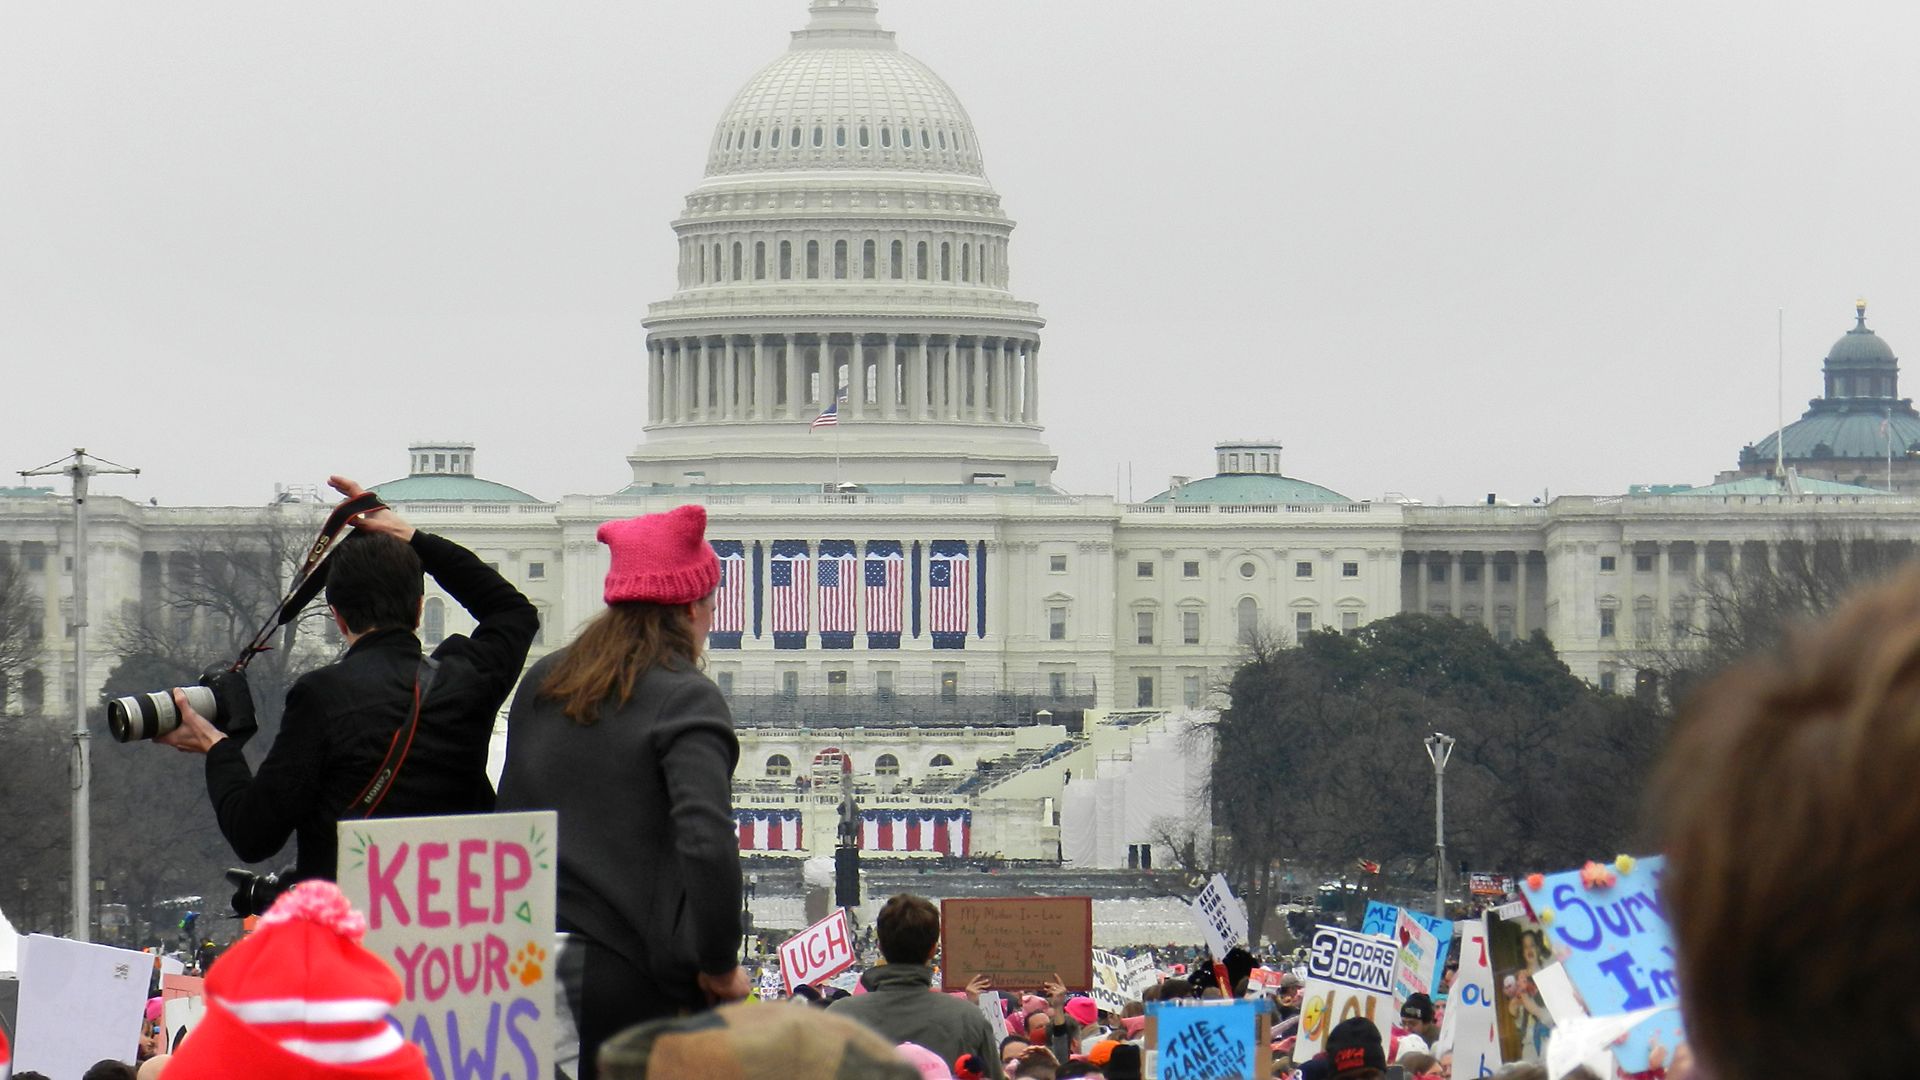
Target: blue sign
x=1208, y=1042
x=1614, y=942
x=1383, y=919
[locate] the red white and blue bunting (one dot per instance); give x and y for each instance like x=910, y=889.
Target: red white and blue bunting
x=949, y=832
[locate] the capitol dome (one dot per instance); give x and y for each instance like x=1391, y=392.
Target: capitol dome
x=845, y=97
x=1861, y=347
x=843, y=261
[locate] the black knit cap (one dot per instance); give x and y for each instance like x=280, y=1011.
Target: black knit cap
x=1354, y=1046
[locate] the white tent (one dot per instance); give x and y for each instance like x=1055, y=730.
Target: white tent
x=9, y=947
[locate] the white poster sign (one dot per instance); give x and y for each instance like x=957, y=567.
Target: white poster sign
x=1472, y=1018
x=819, y=952
x=1220, y=917
x=462, y=909
x=79, y=1004
x=1348, y=975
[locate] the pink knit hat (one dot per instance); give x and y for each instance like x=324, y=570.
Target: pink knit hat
x=660, y=558
x=300, y=999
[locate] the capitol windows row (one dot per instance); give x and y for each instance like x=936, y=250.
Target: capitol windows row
x=967, y=261
x=1190, y=569
x=743, y=140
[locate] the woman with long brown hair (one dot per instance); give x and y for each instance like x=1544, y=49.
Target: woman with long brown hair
x=622, y=734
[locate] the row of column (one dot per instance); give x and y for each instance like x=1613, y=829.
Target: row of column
x=1455, y=585
x=770, y=377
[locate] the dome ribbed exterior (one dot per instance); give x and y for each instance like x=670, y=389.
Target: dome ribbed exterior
x=1862, y=347
x=846, y=108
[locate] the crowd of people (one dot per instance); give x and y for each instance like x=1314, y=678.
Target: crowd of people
x=1784, y=793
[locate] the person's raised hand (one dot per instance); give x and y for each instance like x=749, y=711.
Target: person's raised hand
x=1055, y=990
x=383, y=520
x=195, y=735
x=721, y=989
x=978, y=985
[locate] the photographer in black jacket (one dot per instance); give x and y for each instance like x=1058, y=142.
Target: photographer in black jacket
x=344, y=720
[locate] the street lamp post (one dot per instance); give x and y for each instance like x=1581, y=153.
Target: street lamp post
x=1439, y=749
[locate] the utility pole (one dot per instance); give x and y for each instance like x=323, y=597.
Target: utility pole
x=1439, y=750
x=80, y=468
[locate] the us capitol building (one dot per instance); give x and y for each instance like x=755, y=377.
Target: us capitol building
x=1008, y=667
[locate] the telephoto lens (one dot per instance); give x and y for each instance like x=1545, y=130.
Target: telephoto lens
x=149, y=716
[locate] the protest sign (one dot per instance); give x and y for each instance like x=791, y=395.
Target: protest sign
x=1416, y=960
x=1383, y=920
x=1490, y=886
x=1471, y=1028
x=1109, y=982
x=1139, y=976
x=79, y=1004
x=1220, y=917
x=819, y=952
x=1018, y=942
x=1348, y=975
x=1517, y=949
x=992, y=1008
x=462, y=909
x=1609, y=928
x=1211, y=1041
x=183, y=1004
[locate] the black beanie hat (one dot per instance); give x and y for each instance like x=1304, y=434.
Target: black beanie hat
x=1354, y=1045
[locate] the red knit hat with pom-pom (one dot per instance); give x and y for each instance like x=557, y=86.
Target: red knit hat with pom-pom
x=300, y=999
x=660, y=558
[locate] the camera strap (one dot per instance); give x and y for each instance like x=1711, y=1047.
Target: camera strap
x=311, y=575
x=376, y=790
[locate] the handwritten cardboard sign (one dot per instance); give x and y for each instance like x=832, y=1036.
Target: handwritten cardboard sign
x=183, y=1005
x=1470, y=1029
x=1617, y=949
x=1221, y=918
x=1211, y=1041
x=462, y=909
x=79, y=1003
x=1384, y=919
x=821, y=951
x=1348, y=975
x=1019, y=942
x=1417, y=960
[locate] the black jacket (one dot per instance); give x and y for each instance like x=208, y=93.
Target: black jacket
x=649, y=852
x=341, y=718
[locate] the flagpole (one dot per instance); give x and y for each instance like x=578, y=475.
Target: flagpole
x=1780, y=395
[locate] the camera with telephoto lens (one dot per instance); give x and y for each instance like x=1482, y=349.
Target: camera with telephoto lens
x=221, y=696
x=254, y=893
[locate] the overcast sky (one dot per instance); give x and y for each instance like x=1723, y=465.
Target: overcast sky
x=1435, y=248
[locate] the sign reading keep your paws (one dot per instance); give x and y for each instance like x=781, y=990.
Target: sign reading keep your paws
x=462, y=910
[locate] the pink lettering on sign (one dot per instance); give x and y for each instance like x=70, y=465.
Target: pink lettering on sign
x=468, y=881
x=505, y=883
x=383, y=889
x=431, y=852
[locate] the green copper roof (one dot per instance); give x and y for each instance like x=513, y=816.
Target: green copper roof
x=1250, y=488
x=449, y=488
x=1844, y=433
x=815, y=489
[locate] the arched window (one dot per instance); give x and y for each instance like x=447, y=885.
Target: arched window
x=779, y=765
x=1247, y=619
x=702, y=261
x=886, y=765
x=906, y=138
x=719, y=268
x=819, y=136
x=786, y=260
x=940, y=761
x=433, y=621
x=738, y=267
x=899, y=261
x=760, y=260
x=966, y=262
x=774, y=139
x=886, y=137
x=33, y=691
x=926, y=140
x=756, y=139
x=840, y=135
x=865, y=139
x=921, y=260
x=795, y=140
x=943, y=140
x=840, y=260
x=813, y=258
x=868, y=260
x=946, y=261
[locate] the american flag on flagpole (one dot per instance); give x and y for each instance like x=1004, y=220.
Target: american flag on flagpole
x=886, y=575
x=836, y=576
x=831, y=416
x=787, y=590
x=949, y=592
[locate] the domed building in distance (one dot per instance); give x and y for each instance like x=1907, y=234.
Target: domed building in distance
x=1859, y=431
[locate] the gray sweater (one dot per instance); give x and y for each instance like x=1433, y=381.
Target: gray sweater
x=649, y=852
